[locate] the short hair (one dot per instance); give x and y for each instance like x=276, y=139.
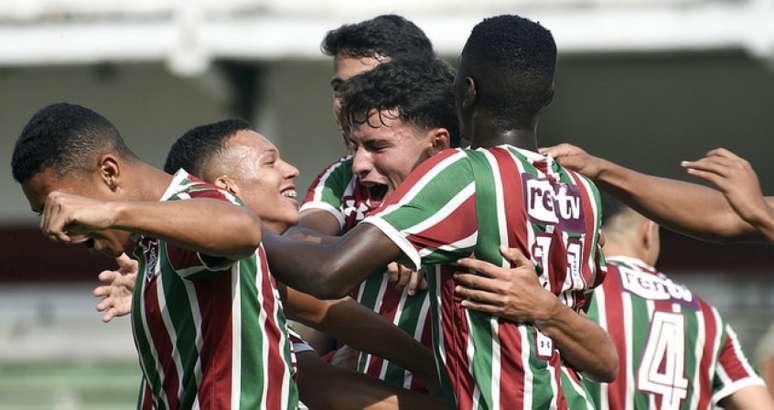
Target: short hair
x=611, y=207
x=386, y=35
x=421, y=91
x=513, y=61
x=64, y=137
x=198, y=145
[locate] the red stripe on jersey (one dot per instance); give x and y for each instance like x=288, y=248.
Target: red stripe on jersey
x=426, y=339
x=710, y=334
x=147, y=398
x=511, y=366
x=590, y=223
x=561, y=401
x=416, y=175
x=455, y=338
x=316, y=183
x=557, y=262
x=275, y=369
x=513, y=198
x=161, y=341
x=615, y=328
x=511, y=363
x=214, y=297
x=732, y=364
x=212, y=193
x=388, y=309
x=441, y=233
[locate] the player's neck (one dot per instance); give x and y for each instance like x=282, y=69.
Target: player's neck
x=486, y=135
x=615, y=248
x=150, y=182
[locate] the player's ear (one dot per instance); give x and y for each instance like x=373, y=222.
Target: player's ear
x=228, y=184
x=649, y=232
x=439, y=139
x=109, y=171
x=469, y=94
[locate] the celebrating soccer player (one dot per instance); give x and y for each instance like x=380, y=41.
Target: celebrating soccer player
x=460, y=202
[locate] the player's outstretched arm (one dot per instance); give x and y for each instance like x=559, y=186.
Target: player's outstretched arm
x=208, y=226
x=322, y=386
x=333, y=268
x=362, y=329
x=755, y=397
x=515, y=294
x=669, y=202
x=737, y=180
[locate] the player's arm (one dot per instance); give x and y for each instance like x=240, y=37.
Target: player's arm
x=331, y=269
x=189, y=224
x=516, y=295
x=669, y=202
x=755, y=397
x=322, y=386
x=360, y=328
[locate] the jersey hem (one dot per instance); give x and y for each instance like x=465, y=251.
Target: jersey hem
x=735, y=387
x=324, y=206
x=398, y=238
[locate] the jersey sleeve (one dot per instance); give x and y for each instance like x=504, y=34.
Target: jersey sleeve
x=190, y=264
x=329, y=187
x=432, y=217
x=732, y=372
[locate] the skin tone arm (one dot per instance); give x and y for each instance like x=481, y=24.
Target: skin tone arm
x=321, y=386
x=749, y=398
x=359, y=327
x=737, y=212
x=332, y=269
x=67, y=218
x=516, y=295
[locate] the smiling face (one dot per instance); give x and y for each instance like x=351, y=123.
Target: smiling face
x=92, y=185
x=385, y=150
x=251, y=168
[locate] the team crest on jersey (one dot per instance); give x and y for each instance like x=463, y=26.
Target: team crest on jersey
x=654, y=287
x=355, y=209
x=553, y=203
x=150, y=253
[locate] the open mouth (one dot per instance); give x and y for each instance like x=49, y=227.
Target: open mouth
x=377, y=191
x=290, y=193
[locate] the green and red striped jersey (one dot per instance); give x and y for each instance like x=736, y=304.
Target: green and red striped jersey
x=462, y=202
x=210, y=332
x=338, y=191
x=675, y=350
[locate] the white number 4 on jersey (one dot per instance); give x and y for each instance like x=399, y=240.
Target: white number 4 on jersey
x=665, y=346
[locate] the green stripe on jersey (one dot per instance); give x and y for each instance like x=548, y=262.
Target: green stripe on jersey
x=253, y=385
x=640, y=326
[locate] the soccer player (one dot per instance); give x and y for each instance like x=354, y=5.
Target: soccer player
x=422, y=124
x=737, y=212
x=208, y=325
x=231, y=156
x=460, y=202
x=676, y=351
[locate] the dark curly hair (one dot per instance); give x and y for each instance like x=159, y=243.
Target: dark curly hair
x=199, y=144
x=421, y=91
x=513, y=61
x=387, y=35
x=64, y=137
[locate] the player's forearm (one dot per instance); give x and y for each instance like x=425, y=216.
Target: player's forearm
x=582, y=343
x=755, y=397
x=323, y=386
x=207, y=226
x=673, y=203
x=765, y=224
x=329, y=270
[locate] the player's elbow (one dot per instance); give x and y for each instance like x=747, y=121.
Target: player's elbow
x=607, y=368
x=329, y=283
x=248, y=233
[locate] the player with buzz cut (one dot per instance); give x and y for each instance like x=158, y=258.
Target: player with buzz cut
x=207, y=321
x=474, y=201
x=676, y=351
x=424, y=124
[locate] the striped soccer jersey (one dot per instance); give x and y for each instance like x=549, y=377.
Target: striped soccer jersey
x=675, y=350
x=210, y=333
x=462, y=202
x=338, y=191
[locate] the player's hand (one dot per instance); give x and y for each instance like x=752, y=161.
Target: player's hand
x=116, y=294
x=736, y=179
x=576, y=159
x=401, y=276
x=67, y=218
x=513, y=293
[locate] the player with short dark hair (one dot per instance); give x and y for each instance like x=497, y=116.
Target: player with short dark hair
x=464, y=201
x=209, y=329
x=417, y=101
x=676, y=350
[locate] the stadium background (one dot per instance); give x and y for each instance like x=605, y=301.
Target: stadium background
x=646, y=83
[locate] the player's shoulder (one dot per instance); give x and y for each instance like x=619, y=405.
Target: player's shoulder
x=186, y=186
